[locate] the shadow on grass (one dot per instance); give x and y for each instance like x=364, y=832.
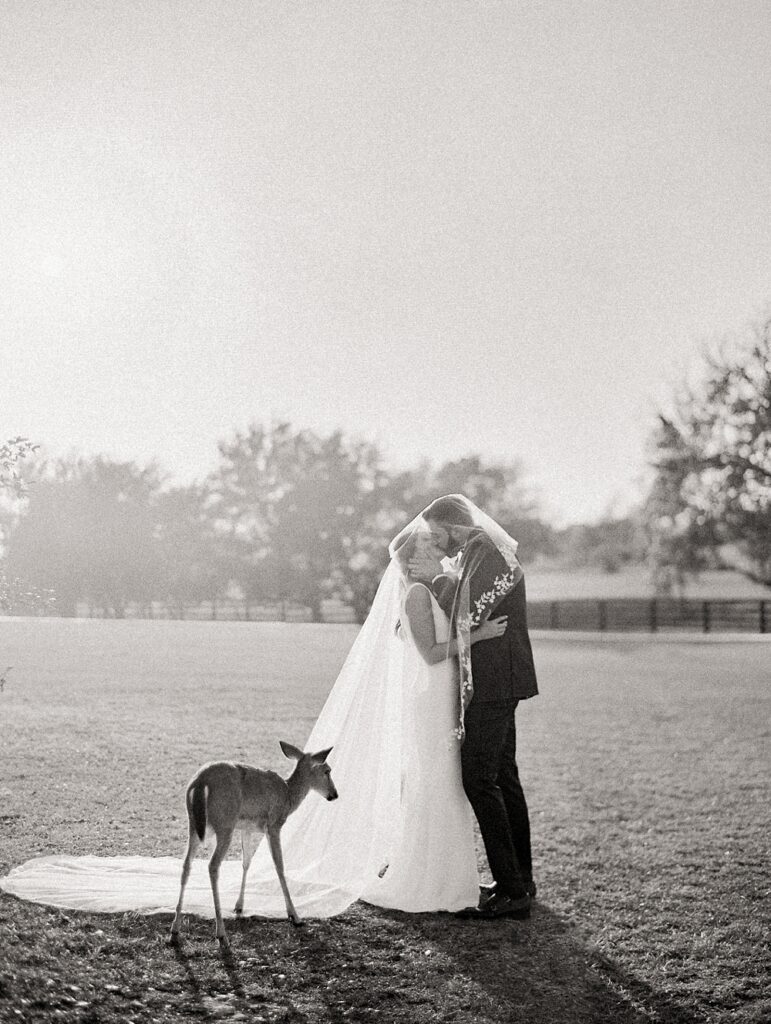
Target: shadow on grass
x=233, y=971
x=432, y=967
x=542, y=970
x=191, y=978
x=248, y=976
x=367, y=965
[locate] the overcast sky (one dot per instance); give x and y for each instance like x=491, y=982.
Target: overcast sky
x=448, y=227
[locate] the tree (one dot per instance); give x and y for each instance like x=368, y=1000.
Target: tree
x=12, y=453
x=298, y=509
x=88, y=533
x=190, y=563
x=497, y=488
x=711, y=495
x=609, y=544
x=15, y=593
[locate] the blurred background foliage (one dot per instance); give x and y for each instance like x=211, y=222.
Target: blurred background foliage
x=290, y=515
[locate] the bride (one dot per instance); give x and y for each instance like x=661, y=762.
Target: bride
x=432, y=863
x=400, y=836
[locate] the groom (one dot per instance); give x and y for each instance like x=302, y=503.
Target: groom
x=503, y=673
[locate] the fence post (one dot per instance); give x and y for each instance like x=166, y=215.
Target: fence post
x=602, y=615
x=705, y=616
x=554, y=615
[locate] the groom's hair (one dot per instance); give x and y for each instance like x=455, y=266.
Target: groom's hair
x=450, y=509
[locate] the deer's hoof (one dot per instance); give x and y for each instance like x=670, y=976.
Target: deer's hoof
x=297, y=922
x=238, y=911
x=173, y=939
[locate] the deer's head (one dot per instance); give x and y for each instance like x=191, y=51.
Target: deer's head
x=315, y=766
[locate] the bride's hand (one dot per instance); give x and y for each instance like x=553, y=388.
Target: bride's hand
x=491, y=628
x=424, y=565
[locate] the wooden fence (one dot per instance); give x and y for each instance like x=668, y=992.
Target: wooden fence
x=227, y=610
x=653, y=615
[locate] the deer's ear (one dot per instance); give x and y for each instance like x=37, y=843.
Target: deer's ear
x=322, y=755
x=290, y=750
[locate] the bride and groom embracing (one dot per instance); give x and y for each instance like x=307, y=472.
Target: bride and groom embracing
x=467, y=664
x=421, y=720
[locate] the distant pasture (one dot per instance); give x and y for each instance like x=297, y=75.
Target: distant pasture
x=550, y=584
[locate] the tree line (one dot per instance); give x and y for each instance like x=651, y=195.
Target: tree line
x=295, y=516
x=287, y=515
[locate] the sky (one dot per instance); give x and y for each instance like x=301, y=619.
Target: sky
x=446, y=227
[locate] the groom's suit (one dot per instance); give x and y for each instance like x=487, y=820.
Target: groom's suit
x=503, y=673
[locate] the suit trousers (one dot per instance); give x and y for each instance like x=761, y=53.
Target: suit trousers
x=491, y=782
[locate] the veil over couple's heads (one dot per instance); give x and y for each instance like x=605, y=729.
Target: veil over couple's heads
x=449, y=519
x=440, y=529
x=446, y=524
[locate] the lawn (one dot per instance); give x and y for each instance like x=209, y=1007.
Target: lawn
x=645, y=762
x=548, y=583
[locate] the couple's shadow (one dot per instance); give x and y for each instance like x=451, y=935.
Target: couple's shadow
x=540, y=971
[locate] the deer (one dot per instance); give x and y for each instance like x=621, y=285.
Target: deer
x=225, y=795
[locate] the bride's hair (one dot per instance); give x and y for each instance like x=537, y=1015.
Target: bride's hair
x=450, y=509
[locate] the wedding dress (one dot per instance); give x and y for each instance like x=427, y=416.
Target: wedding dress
x=432, y=863
x=399, y=836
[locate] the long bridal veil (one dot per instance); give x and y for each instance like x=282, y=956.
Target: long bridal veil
x=334, y=851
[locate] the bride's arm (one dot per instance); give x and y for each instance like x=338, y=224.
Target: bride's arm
x=421, y=619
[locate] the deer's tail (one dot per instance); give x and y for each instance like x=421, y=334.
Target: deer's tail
x=196, y=806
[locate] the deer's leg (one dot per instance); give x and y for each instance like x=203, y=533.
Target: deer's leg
x=274, y=840
x=193, y=843
x=249, y=841
x=220, y=850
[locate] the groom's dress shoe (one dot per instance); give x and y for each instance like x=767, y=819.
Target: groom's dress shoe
x=486, y=891
x=499, y=905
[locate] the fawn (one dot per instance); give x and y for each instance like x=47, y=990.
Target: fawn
x=224, y=795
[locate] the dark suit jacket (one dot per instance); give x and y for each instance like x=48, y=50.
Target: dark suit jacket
x=502, y=668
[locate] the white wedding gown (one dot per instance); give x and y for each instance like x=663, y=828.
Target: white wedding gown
x=432, y=865
x=397, y=769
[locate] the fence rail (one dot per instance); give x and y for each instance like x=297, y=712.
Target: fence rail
x=653, y=615
x=228, y=610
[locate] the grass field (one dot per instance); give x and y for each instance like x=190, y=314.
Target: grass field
x=645, y=763
x=545, y=583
